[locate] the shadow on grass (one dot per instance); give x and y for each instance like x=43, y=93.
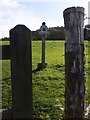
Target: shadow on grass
x=60, y=66
x=36, y=70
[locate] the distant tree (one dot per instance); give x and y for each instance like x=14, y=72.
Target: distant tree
x=5, y=39
x=87, y=32
x=35, y=35
x=55, y=33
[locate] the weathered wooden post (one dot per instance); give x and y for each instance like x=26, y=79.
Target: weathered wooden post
x=21, y=71
x=42, y=65
x=0, y=83
x=74, y=62
x=43, y=52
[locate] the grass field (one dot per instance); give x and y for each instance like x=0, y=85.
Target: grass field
x=48, y=84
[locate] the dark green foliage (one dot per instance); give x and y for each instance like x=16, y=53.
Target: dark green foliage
x=5, y=39
x=55, y=33
x=87, y=32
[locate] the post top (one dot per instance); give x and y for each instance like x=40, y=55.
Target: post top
x=73, y=9
x=20, y=28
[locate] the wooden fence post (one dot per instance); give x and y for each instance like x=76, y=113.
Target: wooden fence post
x=74, y=62
x=42, y=65
x=21, y=71
x=43, y=51
x=0, y=83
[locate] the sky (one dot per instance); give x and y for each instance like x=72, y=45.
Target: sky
x=33, y=12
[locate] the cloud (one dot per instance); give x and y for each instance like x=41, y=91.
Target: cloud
x=60, y=1
x=9, y=3
x=11, y=16
x=6, y=7
x=13, y=12
x=89, y=12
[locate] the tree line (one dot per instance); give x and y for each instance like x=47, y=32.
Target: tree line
x=56, y=33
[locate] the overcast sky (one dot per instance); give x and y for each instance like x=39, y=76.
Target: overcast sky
x=33, y=12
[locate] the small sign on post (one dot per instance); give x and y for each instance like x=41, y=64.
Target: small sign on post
x=43, y=32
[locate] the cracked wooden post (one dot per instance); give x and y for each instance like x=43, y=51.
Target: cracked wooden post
x=21, y=72
x=74, y=62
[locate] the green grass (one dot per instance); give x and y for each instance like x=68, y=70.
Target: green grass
x=48, y=84
x=4, y=42
x=54, y=53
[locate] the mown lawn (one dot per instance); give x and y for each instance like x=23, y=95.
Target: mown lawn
x=48, y=84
